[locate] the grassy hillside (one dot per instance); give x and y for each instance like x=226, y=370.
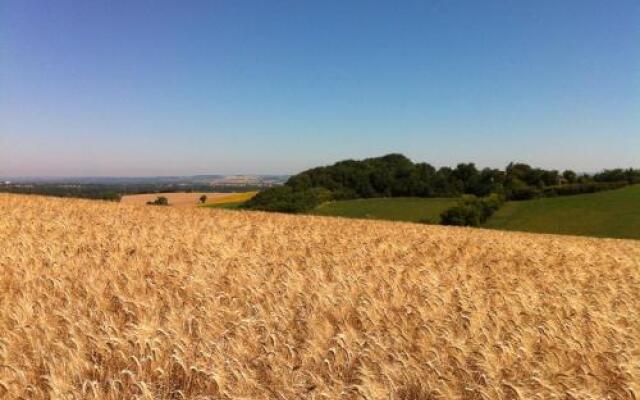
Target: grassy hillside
x=613, y=213
x=395, y=209
x=108, y=301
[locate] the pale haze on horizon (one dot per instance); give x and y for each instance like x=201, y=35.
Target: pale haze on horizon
x=120, y=88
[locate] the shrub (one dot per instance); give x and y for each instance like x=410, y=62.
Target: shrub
x=525, y=193
x=462, y=215
x=285, y=199
x=160, y=201
x=530, y=192
x=629, y=175
x=471, y=210
x=581, y=188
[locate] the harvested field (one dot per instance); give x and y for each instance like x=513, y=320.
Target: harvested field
x=104, y=300
x=177, y=199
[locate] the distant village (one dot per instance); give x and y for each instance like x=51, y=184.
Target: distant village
x=248, y=180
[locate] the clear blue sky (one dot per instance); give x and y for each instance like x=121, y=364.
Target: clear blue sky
x=183, y=87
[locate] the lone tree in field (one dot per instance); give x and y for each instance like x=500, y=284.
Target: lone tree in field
x=203, y=199
x=160, y=201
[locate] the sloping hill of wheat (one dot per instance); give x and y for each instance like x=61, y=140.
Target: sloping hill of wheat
x=111, y=301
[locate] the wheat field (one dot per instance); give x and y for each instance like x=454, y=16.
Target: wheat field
x=113, y=301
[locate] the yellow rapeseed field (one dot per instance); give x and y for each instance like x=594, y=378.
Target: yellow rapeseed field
x=233, y=198
x=113, y=301
x=190, y=199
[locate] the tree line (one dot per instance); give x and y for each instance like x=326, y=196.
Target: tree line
x=394, y=175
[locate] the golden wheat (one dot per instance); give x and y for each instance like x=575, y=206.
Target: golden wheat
x=113, y=301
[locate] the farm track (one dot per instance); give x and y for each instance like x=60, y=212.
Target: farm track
x=103, y=300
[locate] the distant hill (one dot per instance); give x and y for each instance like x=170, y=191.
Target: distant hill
x=151, y=180
x=113, y=188
x=394, y=175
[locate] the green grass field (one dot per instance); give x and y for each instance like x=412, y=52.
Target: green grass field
x=614, y=213
x=396, y=209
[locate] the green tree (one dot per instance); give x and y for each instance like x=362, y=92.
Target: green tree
x=570, y=176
